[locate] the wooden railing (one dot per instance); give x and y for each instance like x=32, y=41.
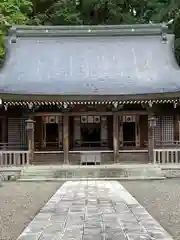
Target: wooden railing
x=166, y=156
x=50, y=146
x=14, y=158
x=133, y=145
x=167, y=144
x=13, y=146
x=79, y=143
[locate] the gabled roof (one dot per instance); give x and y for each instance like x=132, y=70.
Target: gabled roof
x=90, y=60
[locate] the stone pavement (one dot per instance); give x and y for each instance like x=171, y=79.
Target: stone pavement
x=97, y=210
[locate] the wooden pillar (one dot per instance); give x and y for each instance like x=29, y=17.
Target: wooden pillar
x=121, y=131
x=4, y=133
x=30, y=135
x=137, y=132
x=150, y=140
x=60, y=132
x=115, y=137
x=104, y=131
x=66, y=138
x=77, y=132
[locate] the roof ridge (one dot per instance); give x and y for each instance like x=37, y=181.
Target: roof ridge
x=88, y=30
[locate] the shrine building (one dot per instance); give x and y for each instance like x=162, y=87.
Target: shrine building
x=95, y=93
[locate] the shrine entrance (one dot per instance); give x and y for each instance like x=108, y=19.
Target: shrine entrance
x=51, y=135
x=51, y=132
x=90, y=131
x=129, y=134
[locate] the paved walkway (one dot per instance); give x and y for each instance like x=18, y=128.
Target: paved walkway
x=93, y=210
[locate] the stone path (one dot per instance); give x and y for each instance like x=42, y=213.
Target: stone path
x=93, y=210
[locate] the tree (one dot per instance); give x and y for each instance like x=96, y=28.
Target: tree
x=177, y=26
x=64, y=12
x=177, y=38
x=177, y=50
x=12, y=12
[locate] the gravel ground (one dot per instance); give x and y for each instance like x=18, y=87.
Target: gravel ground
x=19, y=203
x=162, y=201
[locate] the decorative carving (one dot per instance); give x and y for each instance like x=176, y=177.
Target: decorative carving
x=90, y=119
x=84, y=119
x=116, y=107
x=51, y=119
x=65, y=105
x=150, y=104
x=129, y=118
x=176, y=103
x=97, y=119
x=30, y=105
x=6, y=107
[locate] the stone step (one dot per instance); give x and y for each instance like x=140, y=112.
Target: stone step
x=98, y=172
x=48, y=179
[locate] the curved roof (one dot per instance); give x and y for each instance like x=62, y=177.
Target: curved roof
x=110, y=60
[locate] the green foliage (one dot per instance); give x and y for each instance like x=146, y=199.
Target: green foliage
x=12, y=12
x=1, y=46
x=2, y=52
x=177, y=50
x=177, y=37
x=177, y=26
x=64, y=12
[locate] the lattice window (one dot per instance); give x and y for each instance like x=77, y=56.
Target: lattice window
x=17, y=136
x=157, y=130
x=23, y=133
x=167, y=128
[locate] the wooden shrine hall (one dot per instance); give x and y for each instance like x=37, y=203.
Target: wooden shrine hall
x=90, y=93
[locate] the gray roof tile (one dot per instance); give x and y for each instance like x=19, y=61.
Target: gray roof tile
x=111, y=65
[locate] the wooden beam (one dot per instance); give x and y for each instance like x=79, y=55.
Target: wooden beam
x=71, y=113
x=127, y=97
